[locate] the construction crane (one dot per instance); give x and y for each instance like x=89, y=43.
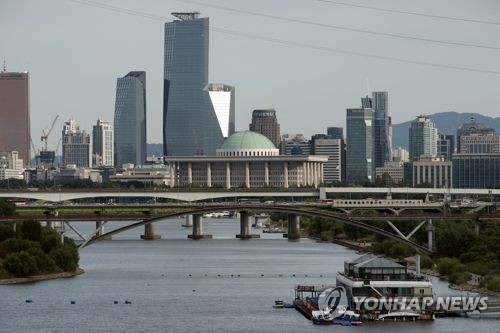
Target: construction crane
x=45, y=135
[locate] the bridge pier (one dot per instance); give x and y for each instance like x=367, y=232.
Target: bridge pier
x=430, y=235
x=245, y=227
x=198, y=228
x=149, y=232
x=189, y=221
x=293, y=227
x=99, y=226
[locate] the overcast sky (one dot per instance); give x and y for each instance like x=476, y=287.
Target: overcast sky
x=76, y=52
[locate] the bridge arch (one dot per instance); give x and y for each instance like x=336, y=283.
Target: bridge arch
x=309, y=211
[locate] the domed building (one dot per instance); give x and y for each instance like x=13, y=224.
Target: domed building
x=246, y=160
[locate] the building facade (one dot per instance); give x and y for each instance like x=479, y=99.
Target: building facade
x=479, y=144
x=190, y=123
x=103, y=144
x=247, y=160
x=382, y=130
x=435, y=171
x=360, y=145
x=472, y=128
x=394, y=169
x=294, y=144
x=76, y=146
x=222, y=98
x=423, y=136
x=446, y=146
x=333, y=148
x=15, y=114
x=11, y=166
x=130, y=119
x=266, y=123
x=400, y=155
x=476, y=170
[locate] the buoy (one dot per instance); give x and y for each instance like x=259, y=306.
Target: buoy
x=128, y=302
x=262, y=275
x=293, y=275
x=306, y=275
x=206, y=275
x=218, y=275
x=29, y=301
x=115, y=302
x=72, y=302
x=194, y=290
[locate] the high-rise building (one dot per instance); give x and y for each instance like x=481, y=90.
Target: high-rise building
x=294, y=144
x=471, y=128
x=103, y=144
x=76, y=146
x=335, y=132
x=266, y=123
x=400, y=155
x=15, y=113
x=11, y=166
x=130, y=119
x=423, y=136
x=222, y=98
x=360, y=145
x=190, y=123
x=446, y=146
x=383, y=130
x=333, y=148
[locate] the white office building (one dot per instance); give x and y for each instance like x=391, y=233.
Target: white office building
x=222, y=99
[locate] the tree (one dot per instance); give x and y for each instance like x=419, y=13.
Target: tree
x=20, y=264
x=66, y=257
x=6, y=231
x=7, y=208
x=31, y=230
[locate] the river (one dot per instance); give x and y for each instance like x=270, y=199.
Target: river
x=179, y=285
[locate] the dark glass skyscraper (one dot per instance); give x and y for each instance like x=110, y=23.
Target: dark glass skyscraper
x=266, y=123
x=360, y=145
x=190, y=125
x=130, y=119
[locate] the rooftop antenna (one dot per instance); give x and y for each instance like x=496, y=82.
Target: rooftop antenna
x=4, y=68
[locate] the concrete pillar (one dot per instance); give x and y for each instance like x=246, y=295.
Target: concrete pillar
x=149, y=232
x=247, y=174
x=285, y=174
x=189, y=221
x=98, y=225
x=304, y=174
x=245, y=227
x=321, y=176
x=198, y=228
x=190, y=173
x=172, y=174
x=315, y=174
x=266, y=173
x=293, y=227
x=430, y=235
x=228, y=175
x=209, y=175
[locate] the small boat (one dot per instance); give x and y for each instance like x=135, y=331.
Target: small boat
x=279, y=304
x=399, y=316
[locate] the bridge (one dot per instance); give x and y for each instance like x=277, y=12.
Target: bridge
x=201, y=194
x=133, y=216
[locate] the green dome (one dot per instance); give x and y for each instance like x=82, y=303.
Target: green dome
x=247, y=140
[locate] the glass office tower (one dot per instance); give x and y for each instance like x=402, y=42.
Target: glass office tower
x=423, y=137
x=130, y=119
x=190, y=125
x=360, y=145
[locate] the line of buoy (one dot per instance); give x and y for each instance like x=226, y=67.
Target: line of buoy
x=261, y=275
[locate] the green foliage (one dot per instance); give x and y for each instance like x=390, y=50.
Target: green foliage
x=12, y=245
x=7, y=208
x=20, y=264
x=453, y=238
x=447, y=266
x=459, y=277
x=426, y=261
x=50, y=240
x=31, y=230
x=44, y=263
x=66, y=257
x=6, y=231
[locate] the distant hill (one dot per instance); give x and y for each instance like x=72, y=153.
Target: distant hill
x=446, y=122
x=155, y=149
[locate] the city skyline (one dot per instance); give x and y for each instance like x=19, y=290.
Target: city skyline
x=94, y=68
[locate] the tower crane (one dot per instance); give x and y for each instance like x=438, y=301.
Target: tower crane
x=45, y=135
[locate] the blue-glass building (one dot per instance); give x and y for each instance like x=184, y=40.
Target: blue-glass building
x=190, y=124
x=130, y=119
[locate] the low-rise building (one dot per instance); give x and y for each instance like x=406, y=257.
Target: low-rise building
x=246, y=160
x=394, y=169
x=149, y=176
x=11, y=166
x=476, y=170
x=432, y=170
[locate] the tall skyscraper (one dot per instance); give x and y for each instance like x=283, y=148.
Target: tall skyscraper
x=76, y=147
x=130, y=119
x=190, y=123
x=15, y=114
x=222, y=98
x=266, y=123
x=383, y=130
x=423, y=136
x=360, y=145
x=103, y=144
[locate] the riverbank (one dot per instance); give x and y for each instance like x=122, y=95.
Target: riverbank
x=42, y=277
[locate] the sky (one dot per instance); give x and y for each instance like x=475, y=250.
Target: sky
x=75, y=52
